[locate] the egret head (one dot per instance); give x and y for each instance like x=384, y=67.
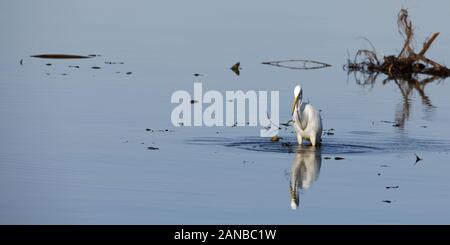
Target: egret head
x=298, y=94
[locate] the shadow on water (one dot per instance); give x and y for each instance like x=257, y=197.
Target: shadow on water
x=371, y=142
x=304, y=171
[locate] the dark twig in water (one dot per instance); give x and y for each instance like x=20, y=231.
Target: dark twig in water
x=286, y=124
x=304, y=64
x=236, y=68
x=418, y=159
x=60, y=56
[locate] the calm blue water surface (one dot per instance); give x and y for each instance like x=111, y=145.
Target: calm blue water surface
x=73, y=141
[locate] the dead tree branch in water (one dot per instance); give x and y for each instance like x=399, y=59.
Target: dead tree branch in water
x=404, y=65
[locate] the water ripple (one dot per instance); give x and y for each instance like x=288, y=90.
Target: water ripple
x=330, y=145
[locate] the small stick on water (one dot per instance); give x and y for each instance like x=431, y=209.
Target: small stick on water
x=236, y=68
x=286, y=124
x=60, y=56
x=418, y=159
x=268, y=117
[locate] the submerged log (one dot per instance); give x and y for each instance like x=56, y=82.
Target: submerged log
x=60, y=56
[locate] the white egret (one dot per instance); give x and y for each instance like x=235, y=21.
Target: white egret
x=307, y=120
x=304, y=172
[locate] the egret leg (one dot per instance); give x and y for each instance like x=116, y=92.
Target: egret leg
x=313, y=140
x=299, y=139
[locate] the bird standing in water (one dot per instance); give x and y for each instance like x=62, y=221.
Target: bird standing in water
x=307, y=120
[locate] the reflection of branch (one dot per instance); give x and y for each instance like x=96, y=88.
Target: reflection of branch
x=406, y=86
x=405, y=90
x=366, y=78
x=420, y=87
x=313, y=64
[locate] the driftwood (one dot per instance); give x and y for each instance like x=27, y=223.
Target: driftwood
x=404, y=65
x=409, y=70
x=61, y=56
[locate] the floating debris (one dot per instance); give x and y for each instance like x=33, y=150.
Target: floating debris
x=383, y=121
x=60, y=56
x=236, y=68
x=64, y=74
x=129, y=73
x=408, y=63
x=94, y=55
x=113, y=63
x=327, y=158
x=302, y=64
x=387, y=201
x=423, y=126
x=198, y=75
x=158, y=130
x=275, y=138
x=21, y=62
x=48, y=74
x=287, y=124
x=339, y=158
x=418, y=159
x=248, y=162
x=48, y=64
x=74, y=67
x=396, y=125
x=392, y=187
x=96, y=67
x=329, y=131
x=379, y=174
x=152, y=148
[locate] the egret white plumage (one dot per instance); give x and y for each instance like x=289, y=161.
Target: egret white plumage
x=307, y=120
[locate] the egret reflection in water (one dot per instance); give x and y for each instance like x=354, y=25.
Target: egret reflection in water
x=304, y=171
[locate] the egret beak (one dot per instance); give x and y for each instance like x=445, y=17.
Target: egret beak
x=295, y=103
